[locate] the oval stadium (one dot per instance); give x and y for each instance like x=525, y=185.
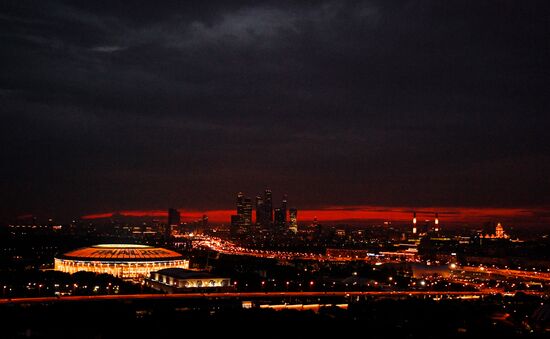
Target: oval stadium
x=126, y=261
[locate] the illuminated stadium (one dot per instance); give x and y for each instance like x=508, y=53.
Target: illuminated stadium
x=121, y=260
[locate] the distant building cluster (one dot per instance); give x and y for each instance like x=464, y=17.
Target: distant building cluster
x=277, y=219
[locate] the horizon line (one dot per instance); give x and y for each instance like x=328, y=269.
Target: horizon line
x=361, y=213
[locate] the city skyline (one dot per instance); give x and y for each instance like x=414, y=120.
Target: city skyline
x=364, y=214
x=275, y=169
x=338, y=103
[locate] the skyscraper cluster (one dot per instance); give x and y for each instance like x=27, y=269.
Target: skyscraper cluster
x=267, y=217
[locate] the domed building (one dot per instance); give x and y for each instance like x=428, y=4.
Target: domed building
x=126, y=261
x=499, y=233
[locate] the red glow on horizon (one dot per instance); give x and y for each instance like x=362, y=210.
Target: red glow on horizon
x=186, y=215
x=134, y=213
x=363, y=213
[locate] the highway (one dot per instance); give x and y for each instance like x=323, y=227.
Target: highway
x=227, y=247
x=534, y=275
x=253, y=295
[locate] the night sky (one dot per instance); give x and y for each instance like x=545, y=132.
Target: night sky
x=141, y=106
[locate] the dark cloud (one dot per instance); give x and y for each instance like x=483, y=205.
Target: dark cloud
x=139, y=105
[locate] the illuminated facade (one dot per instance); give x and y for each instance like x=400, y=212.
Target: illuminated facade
x=173, y=280
x=247, y=215
x=120, y=260
x=499, y=233
x=293, y=214
x=244, y=210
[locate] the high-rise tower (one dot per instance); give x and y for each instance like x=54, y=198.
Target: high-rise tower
x=268, y=204
x=260, y=211
x=499, y=231
x=240, y=204
x=174, y=220
x=279, y=221
x=247, y=213
x=244, y=211
x=284, y=208
x=174, y=217
x=293, y=217
x=235, y=225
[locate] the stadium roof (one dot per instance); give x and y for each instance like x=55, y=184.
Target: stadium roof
x=121, y=252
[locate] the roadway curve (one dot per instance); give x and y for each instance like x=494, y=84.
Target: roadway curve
x=534, y=275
